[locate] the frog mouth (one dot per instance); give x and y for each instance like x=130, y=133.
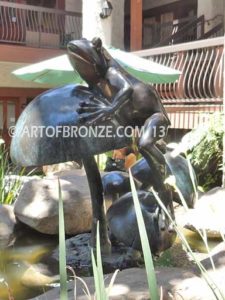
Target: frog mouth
x=73, y=50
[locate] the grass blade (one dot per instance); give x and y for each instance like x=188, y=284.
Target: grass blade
x=62, y=249
x=210, y=282
x=99, y=265
x=112, y=282
x=98, y=270
x=149, y=266
x=8, y=188
x=85, y=289
x=96, y=277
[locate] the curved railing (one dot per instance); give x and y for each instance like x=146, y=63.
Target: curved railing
x=200, y=86
x=38, y=26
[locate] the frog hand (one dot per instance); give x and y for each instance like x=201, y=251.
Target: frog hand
x=93, y=105
x=95, y=117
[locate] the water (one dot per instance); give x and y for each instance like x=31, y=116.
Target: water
x=177, y=257
x=16, y=262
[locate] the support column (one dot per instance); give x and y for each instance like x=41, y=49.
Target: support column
x=135, y=25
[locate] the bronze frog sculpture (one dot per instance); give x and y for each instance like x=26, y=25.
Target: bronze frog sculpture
x=123, y=226
x=47, y=130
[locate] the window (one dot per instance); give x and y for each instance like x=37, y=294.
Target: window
x=11, y=114
x=43, y=3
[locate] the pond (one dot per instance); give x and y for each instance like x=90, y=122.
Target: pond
x=18, y=279
x=28, y=250
x=176, y=256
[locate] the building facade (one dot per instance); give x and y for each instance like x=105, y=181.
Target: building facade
x=184, y=34
x=31, y=31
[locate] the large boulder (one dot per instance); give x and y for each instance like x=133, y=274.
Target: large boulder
x=37, y=203
x=60, y=168
x=208, y=214
x=7, y=225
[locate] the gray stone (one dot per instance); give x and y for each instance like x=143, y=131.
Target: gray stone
x=60, y=168
x=184, y=283
x=132, y=284
x=78, y=256
x=7, y=225
x=208, y=214
x=37, y=203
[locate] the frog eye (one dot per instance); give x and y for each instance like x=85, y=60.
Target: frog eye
x=97, y=43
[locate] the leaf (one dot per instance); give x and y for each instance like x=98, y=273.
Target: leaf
x=149, y=266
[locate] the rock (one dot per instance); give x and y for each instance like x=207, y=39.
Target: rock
x=7, y=225
x=132, y=284
x=184, y=283
x=37, y=204
x=218, y=254
x=208, y=214
x=78, y=256
x=60, y=168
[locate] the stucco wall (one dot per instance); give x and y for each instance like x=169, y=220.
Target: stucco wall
x=111, y=29
x=74, y=5
x=213, y=10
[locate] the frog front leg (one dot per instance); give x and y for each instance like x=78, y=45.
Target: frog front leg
x=97, y=110
x=155, y=128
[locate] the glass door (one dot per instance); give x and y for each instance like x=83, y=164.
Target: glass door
x=8, y=116
x=1, y=119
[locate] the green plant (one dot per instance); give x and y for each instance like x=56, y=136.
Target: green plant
x=204, y=146
x=149, y=266
x=210, y=282
x=102, y=293
x=62, y=249
x=171, y=180
x=8, y=188
x=98, y=271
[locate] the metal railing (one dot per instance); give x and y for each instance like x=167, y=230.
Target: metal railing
x=200, y=85
x=184, y=33
x=216, y=31
x=38, y=26
x=181, y=31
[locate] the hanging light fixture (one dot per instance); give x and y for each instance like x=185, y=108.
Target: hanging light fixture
x=106, y=9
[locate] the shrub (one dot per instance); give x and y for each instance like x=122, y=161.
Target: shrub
x=204, y=146
x=9, y=187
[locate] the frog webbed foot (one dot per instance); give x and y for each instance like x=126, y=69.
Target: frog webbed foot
x=94, y=111
x=93, y=104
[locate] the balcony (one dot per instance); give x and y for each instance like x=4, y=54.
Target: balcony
x=181, y=31
x=199, y=91
x=37, y=26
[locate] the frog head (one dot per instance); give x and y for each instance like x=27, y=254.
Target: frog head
x=88, y=58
